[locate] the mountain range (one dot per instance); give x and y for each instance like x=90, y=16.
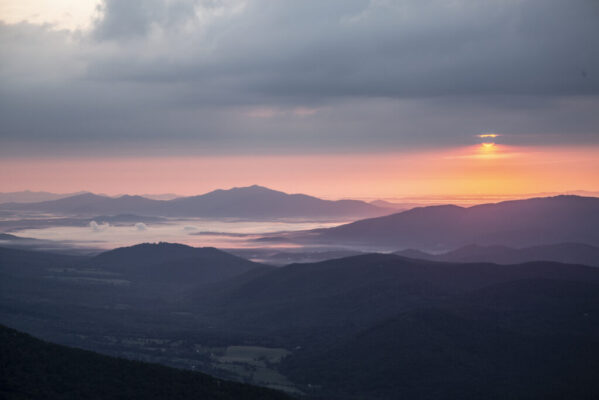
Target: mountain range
x=28, y=196
x=570, y=253
x=376, y=326
x=517, y=223
x=253, y=202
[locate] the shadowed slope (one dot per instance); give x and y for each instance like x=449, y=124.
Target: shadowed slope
x=170, y=262
x=439, y=354
x=361, y=289
x=33, y=369
x=572, y=253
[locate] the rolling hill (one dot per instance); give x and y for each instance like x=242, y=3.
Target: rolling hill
x=356, y=291
x=442, y=354
x=171, y=262
x=383, y=326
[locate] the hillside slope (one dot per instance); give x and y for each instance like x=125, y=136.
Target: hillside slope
x=34, y=369
x=171, y=262
x=570, y=253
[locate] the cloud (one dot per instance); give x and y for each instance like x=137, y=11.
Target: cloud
x=357, y=48
x=98, y=227
x=136, y=18
x=140, y=226
x=254, y=76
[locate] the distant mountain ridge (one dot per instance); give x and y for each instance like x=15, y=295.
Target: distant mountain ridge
x=28, y=196
x=245, y=202
x=516, y=223
x=569, y=253
x=398, y=207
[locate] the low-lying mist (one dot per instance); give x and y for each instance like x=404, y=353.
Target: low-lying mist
x=193, y=232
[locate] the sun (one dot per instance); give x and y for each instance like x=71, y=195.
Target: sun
x=488, y=150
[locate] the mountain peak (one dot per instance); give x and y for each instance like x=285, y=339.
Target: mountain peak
x=253, y=201
x=86, y=195
x=131, y=197
x=255, y=189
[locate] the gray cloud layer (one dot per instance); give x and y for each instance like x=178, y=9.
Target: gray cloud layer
x=172, y=76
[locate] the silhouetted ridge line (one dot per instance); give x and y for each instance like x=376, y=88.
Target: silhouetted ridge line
x=516, y=223
x=245, y=202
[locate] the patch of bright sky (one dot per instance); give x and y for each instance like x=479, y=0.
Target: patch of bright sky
x=61, y=14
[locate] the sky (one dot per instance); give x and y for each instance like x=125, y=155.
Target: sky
x=339, y=98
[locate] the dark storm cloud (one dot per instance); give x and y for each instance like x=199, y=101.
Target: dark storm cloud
x=360, y=48
x=253, y=76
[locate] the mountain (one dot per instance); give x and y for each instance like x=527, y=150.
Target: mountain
x=9, y=237
x=170, y=262
x=137, y=275
x=441, y=353
x=383, y=327
x=160, y=196
x=261, y=202
x=18, y=242
x=23, y=262
x=394, y=206
x=34, y=369
x=90, y=204
x=355, y=291
x=517, y=223
x=373, y=326
x=247, y=202
x=32, y=197
x=570, y=253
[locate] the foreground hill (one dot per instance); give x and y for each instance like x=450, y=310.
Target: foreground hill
x=23, y=262
x=384, y=327
x=135, y=276
x=518, y=223
x=171, y=262
x=356, y=291
x=33, y=369
x=246, y=202
x=373, y=326
x=441, y=354
x=572, y=253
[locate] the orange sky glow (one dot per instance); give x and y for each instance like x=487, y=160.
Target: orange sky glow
x=483, y=169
